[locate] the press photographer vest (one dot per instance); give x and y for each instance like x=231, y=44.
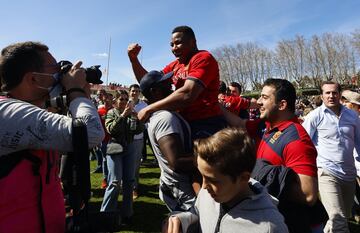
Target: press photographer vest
x=31, y=198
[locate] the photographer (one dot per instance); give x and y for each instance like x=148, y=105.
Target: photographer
x=31, y=197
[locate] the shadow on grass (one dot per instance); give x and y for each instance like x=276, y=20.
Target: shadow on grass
x=150, y=191
x=98, y=193
x=149, y=164
x=147, y=216
x=149, y=175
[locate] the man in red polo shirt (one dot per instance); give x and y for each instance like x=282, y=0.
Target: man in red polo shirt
x=196, y=79
x=236, y=103
x=281, y=140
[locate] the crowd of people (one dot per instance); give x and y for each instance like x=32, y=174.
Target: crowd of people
x=228, y=163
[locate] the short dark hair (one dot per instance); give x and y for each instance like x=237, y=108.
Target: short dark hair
x=134, y=86
x=230, y=150
x=123, y=92
x=188, y=32
x=284, y=90
x=237, y=85
x=222, y=87
x=18, y=59
x=330, y=82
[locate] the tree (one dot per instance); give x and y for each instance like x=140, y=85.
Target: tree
x=305, y=62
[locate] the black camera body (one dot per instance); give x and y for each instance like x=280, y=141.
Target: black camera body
x=57, y=99
x=93, y=73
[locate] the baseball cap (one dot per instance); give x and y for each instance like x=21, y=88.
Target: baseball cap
x=351, y=96
x=152, y=78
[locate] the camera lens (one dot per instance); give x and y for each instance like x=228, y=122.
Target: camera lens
x=56, y=102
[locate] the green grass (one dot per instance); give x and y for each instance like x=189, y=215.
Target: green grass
x=149, y=211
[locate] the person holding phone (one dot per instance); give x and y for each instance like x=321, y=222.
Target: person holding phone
x=119, y=156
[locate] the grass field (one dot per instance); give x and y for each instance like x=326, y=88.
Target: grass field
x=149, y=211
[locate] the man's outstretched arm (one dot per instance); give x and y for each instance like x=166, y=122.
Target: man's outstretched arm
x=138, y=69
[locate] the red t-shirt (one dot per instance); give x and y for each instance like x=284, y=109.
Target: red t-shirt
x=102, y=113
x=236, y=103
x=203, y=69
x=287, y=144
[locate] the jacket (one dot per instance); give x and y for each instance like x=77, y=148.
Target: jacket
x=256, y=214
x=277, y=179
x=119, y=127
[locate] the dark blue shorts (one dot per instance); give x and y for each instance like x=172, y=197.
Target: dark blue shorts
x=206, y=127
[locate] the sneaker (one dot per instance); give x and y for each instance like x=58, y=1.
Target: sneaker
x=104, y=184
x=135, y=194
x=357, y=219
x=126, y=221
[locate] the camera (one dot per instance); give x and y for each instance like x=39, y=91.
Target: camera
x=93, y=73
x=57, y=99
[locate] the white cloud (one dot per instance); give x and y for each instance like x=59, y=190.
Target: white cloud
x=100, y=55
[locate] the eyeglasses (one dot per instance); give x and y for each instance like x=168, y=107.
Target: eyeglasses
x=54, y=76
x=57, y=65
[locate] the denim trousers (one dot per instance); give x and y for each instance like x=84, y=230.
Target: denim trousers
x=337, y=197
x=104, y=163
x=138, y=144
x=121, y=174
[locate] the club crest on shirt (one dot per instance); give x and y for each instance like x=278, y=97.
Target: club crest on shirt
x=275, y=137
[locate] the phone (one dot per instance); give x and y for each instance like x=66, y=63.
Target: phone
x=130, y=103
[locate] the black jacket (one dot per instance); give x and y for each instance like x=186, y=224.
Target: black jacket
x=277, y=179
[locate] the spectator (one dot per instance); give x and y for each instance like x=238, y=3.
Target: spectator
x=229, y=200
x=170, y=137
x=97, y=151
x=138, y=142
x=335, y=131
x=102, y=110
x=317, y=101
x=120, y=156
x=34, y=201
x=237, y=104
x=222, y=92
x=101, y=96
x=235, y=89
x=351, y=100
x=196, y=79
x=282, y=141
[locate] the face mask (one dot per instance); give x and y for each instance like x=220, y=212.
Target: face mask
x=56, y=89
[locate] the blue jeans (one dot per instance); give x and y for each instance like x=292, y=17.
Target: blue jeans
x=104, y=163
x=138, y=144
x=121, y=173
x=99, y=156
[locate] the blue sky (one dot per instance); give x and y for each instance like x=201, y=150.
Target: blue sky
x=81, y=30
